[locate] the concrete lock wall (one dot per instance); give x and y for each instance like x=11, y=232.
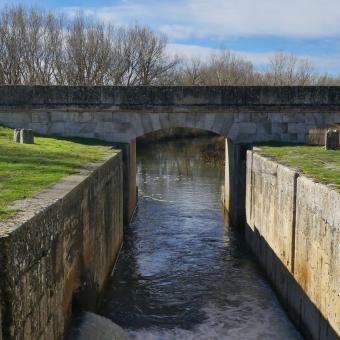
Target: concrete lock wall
x=57, y=254
x=293, y=228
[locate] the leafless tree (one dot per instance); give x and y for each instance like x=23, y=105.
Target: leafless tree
x=11, y=45
x=226, y=68
x=288, y=69
x=38, y=47
x=192, y=72
x=144, y=56
x=88, y=51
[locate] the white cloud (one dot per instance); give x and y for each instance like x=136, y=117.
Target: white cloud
x=222, y=20
x=203, y=18
x=257, y=58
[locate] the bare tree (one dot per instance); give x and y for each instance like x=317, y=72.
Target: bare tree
x=327, y=80
x=11, y=45
x=144, y=54
x=37, y=47
x=192, y=72
x=42, y=44
x=88, y=53
x=288, y=69
x=227, y=68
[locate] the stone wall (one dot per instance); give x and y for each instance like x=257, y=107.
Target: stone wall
x=56, y=255
x=293, y=228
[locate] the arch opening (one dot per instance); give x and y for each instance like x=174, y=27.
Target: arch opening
x=233, y=191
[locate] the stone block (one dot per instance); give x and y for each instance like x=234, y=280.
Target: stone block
x=105, y=116
x=247, y=127
x=40, y=117
x=317, y=136
x=332, y=139
x=275, y=117
x=223, y=123
x=297, y=128
x=263, y=127
x=302, y=138
x=16, y=135
x=40, y=128
x=280, y=128
x=26, y=136
x=83, y=117
x=243, y=117
x=62, y=117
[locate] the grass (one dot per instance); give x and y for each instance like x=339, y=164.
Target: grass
x=27, y=169
x=314, y=161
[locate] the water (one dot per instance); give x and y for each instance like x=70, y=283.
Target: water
x=183, y=273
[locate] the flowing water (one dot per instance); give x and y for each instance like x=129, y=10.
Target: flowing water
x=183, y=273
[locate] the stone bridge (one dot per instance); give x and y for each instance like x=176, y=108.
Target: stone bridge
x=244, y=115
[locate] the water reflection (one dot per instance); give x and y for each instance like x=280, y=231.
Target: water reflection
x=183, y=273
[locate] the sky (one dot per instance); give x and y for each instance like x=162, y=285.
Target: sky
x=255, y=29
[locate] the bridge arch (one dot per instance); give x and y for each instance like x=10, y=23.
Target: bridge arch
x=244, y=115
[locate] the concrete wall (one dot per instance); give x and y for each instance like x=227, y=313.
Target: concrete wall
x=56, y=255
x=293, y=228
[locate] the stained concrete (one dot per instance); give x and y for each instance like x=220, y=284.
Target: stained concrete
x=293, y=228
x=57, y=253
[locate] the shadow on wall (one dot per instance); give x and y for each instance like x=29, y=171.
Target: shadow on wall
x=302, y=311
x=173, y=134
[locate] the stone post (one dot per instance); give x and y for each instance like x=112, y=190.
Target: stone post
x=26, y=136
x=332, y=139
x=16, y=135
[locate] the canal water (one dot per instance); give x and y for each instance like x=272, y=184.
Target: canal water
x=183, y=273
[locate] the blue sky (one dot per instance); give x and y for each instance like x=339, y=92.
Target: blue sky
x=253, y=28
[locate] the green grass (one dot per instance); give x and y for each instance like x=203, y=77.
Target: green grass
x=314, y=161
x=28, y=169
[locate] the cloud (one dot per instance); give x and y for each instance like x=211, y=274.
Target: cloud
x=227, y=18
x=196, y=51
x=258, y=59
x=218, y=21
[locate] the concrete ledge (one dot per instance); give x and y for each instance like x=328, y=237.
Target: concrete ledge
x=60, y=249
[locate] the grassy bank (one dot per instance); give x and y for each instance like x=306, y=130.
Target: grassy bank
x=27, y=169
x=314, y=161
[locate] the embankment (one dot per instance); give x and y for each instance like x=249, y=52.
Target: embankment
x=293, y=228
x=56, y=255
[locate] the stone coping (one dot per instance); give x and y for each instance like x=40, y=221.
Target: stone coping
x=120, y=96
